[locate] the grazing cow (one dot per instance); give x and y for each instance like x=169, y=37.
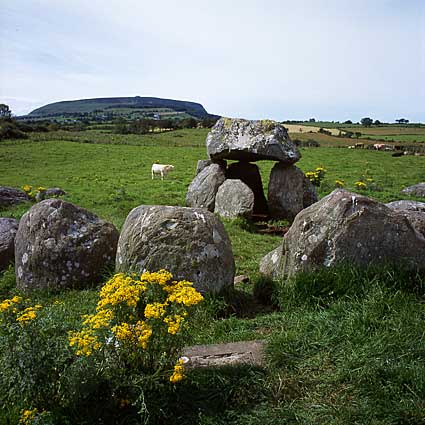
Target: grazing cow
x=379, y=146
x=359, y=145
x=161, y=169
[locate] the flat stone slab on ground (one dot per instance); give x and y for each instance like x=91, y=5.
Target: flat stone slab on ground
x=234, y=353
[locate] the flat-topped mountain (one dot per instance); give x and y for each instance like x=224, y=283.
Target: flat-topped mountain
x=120, y=104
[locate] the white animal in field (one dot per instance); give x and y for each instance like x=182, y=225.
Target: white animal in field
x=161, y=169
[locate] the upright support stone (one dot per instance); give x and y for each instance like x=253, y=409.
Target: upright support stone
x=289, y=192
x=250, y=175
x=201, y=192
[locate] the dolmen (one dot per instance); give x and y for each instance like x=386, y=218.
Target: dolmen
x=236, y=189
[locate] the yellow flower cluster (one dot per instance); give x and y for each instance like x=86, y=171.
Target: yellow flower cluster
x=339, y=183
x=316, y=176
x=7, y=304
x=161, y=278
x=27, y=416
x=178, y=373
x=86, y=341
x=121, y=289
x=138, y=334
x=155, y=310
x=174, y=322
x=360, y=185
x=30, y=313
x=183, y=293
x=99, y=320
x=31, y=192
x=131, y=308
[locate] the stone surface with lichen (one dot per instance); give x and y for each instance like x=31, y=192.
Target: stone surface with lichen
x=247, y=140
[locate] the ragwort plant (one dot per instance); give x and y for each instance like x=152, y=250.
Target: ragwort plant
x=123, y=360
x=137, y=333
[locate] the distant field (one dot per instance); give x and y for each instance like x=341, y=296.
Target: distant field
x=420, y=138
x=325, y=140
x=295, y=128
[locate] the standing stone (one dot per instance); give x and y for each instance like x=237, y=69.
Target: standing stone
x=60, y=245
x=240, y=139
x=201, y=192
x=11, y=196
x=415, y=190
x=202, y=163
x=8, y=229
x=290, y=191
x=234, y=199
x=347, y=227
x=250, y=175
x=190, y=243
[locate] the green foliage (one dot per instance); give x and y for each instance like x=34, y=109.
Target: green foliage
x=346, y=345
x=7, y=281
x=367, y=122
x=325, y=285
x=10, y=130
x=349, y=344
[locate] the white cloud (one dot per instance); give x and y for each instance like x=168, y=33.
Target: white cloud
x=280, y=59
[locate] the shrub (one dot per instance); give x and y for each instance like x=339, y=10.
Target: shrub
x=123, y=360
x=9, y=130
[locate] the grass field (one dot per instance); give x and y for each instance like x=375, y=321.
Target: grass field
x=344, y=346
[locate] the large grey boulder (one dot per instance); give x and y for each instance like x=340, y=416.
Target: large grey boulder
x=250, y=175
x=414, y=211
x=415, y=190
x=60, y=245
x=11, y=196
x=289, y=192
x=347, y=227
x=201, y=192
x=190, y=243
x=234, y=199
x=8, y=229
x=240, y=139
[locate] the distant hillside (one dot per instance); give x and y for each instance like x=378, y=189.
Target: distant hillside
x=113, y=104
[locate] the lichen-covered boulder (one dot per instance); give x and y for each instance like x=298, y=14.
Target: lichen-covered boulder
x=415, y=190
x=246, y=140
x=201, y=192
x=60, y=245
x=234, y=199
x=250, y=175
x=191, y=243
x=406, y=205
x=289, y=192
x=414, y=211
x=11, y=196
x=347, y=227
x=8, y=229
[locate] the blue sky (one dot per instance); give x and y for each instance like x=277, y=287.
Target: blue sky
x=328, y=59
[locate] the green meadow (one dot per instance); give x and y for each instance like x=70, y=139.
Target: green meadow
x=345, y=346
